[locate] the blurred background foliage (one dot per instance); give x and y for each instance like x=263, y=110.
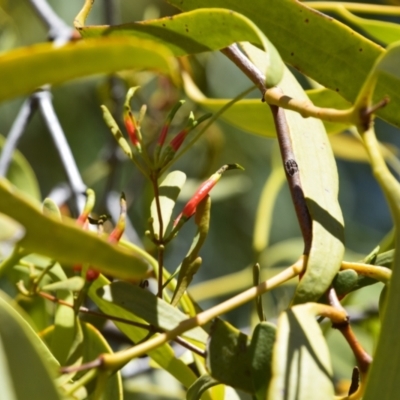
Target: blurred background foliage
x=229, y=246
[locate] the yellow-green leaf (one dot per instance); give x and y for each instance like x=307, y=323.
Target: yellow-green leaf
x=317, y=45
x=198, y=31
x=65, y=241
x=301, y=366
x=319, y=180
x=79, y=59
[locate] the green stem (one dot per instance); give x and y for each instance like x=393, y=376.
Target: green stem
x=86, y=378
x=119, y=359
x=206, y=126
x=381, y=274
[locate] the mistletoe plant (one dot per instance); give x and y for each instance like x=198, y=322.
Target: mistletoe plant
x=47, y=257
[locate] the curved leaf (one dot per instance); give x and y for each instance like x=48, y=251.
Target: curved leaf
x=79, y=59
x=382, y=31
x=350, y=55
x=200, y=386
x=24, y=372
x=301, y=367
x=65, y=241
x=21, y=174
x=169, y=190
x=196, y=32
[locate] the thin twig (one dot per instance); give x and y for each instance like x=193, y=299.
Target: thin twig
x=25, y=113
x=62, y=146
x=58, y=30
x=148, y=327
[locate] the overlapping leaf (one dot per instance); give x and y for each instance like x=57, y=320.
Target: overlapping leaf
x=198, y=31
x=79, y=59
x=24, y=360
x=65, y=241
x=301, y=367
x=340, y=59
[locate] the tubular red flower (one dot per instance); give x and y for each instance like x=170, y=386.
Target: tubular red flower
x=130, y=127
x=177, y=141
x=163, y=134
x=202, y=192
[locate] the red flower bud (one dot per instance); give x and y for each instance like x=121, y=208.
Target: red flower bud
x=119, y=229
x=130, y=126
x=92, y=275
x=202, y=192
x=177, y=141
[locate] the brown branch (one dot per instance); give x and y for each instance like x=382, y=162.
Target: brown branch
x=290, y=164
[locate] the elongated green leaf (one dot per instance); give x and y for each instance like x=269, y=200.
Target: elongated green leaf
x=24, y=373
x=200, y=386
x=350, y=55
x=94, y=344
x=152, y=309
x=21, y=174
x=169, y=190
x=196, y=32
x=261, y=348
x=301, y=367
x=65, y=329
x=65, y=241
x=382, y=31
x=79, y=59
x=192, y=262
x=250, y=115
x=91, y=345
x=318, y=176
x=384, y=372
x=164, y=355
x=228, y=359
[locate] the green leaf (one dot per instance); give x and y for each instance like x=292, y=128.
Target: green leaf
x=11, y=232
x=350, y=55
x=21, y=174
x=149, y=307
x=192, y=262
x=261, y=348
x=50, y=208
x=382, y=31
x=25, y=374
x=168, y=190
x=196, y=32
x=228, y=356
x=319, y=179
x=79, y=59
x=200, y=386
x=94, y=344
x=301, y=367
x=250, y=115
x=65, y=323
x=91, y=345
x=73, y=284
x=65, y=241
x=164, y=355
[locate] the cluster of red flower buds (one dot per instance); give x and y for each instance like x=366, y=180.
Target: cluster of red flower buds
x=84, y=220
x=133, y=128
